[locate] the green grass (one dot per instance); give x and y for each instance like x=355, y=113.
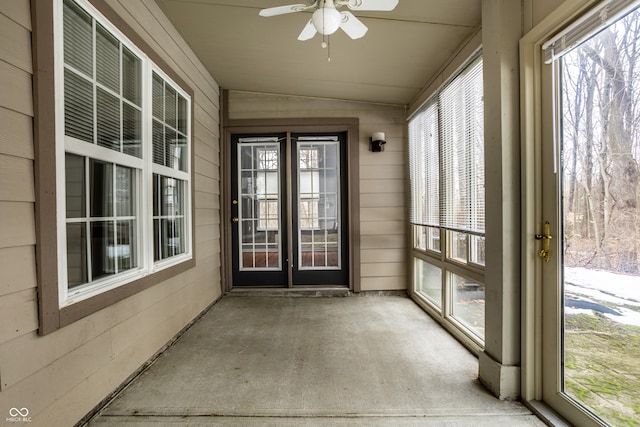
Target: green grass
x=602, y=367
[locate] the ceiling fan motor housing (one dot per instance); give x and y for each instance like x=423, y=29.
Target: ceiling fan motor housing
x=327, y=19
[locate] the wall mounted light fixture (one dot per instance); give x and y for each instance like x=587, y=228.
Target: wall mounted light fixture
x=377, y=142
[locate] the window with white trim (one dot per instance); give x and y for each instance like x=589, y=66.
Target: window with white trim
x=446, y=162
x=123, y=148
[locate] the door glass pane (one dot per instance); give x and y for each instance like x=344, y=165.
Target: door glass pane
x=600, y=213
x=259, y=207
x=318, y=202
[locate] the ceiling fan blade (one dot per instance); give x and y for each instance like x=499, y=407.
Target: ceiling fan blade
x=308, y=31
x=383, y=5
x=282, y=10
x=352, y=25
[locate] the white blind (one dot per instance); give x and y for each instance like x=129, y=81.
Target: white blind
x=102, y=92
x=78, y=90
x=601, y=16
x=424, y=166
x=462, y=152
x=170, y=142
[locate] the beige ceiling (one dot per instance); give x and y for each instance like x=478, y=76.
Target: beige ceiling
x=401, y=52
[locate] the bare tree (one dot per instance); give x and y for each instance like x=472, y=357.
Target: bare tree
x=601, y=146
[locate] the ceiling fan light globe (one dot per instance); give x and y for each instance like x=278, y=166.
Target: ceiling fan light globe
x=326, y=20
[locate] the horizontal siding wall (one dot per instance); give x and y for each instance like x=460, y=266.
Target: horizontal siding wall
x=62, y=376
x=383, y=176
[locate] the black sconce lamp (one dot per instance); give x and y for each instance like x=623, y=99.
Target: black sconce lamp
x=377, y=142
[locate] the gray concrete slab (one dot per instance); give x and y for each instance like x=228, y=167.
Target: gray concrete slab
x=351, y=361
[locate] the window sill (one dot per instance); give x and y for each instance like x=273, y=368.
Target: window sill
x=71, y=313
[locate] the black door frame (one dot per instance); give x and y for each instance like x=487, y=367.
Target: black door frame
x=295, y=125
x=313, y=277
x=290, y=275
x=265, y=277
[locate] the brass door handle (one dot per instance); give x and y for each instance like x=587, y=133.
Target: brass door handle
x=545, y=252
x=235, y=219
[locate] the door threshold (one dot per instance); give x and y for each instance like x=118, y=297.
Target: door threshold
x=301, y=291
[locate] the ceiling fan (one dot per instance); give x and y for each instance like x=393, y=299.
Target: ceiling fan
x=326, y=18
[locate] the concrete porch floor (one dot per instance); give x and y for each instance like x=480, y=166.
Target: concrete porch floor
x=300, y=361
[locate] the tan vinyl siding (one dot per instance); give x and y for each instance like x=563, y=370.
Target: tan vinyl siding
x=16, y=265
x=18, y=11
x=62, y=376
x=17, y=47
x=16, y=176
x=15, y=86
x=17, y=228
x=383, y=216
x=16, y=138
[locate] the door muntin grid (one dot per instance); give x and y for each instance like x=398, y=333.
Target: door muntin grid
x=259, y=207
x=318, y=202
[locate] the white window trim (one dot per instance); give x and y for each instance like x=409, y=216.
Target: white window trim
x=144, y=168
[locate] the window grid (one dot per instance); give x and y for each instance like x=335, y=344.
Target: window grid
x=102, y=123
x=318, y=205
x=259, y=206
x=106, y=107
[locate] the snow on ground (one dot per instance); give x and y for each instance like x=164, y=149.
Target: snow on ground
x=597, y=285
x=599, y=295
x=623, y=286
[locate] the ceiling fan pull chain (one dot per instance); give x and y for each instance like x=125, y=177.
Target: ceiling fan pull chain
x=326, y=44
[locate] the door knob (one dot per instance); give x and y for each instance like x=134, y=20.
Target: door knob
x=235, y=219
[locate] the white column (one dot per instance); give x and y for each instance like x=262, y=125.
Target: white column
x=500, y=361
